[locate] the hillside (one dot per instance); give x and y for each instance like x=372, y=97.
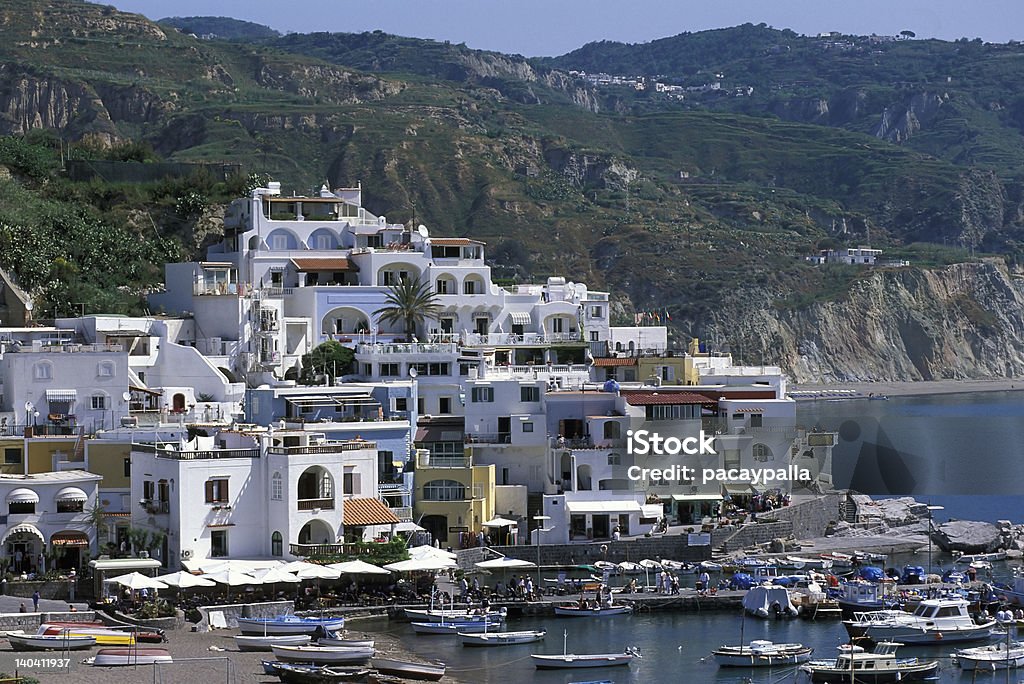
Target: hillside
x=699, y=210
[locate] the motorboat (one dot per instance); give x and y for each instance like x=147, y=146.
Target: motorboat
x=454, y=627
x=432, y=671
x=606, y=566
x=762, y=653
x=117, y=657
x=263, y=643
x=880, y=666
x=933, y=620
x=289, y=624
x=575, y=610
x=293, y=673
x=858, y=597
x=769, y=601
x=630, y=568
x=998, y=656
x=580, y=660
x=502, y=638
x=321, y=655
x=50, y=642
x=710, y=566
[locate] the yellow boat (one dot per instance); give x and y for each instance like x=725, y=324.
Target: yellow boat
x=104, y=637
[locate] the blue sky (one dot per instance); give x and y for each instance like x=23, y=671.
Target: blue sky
x=553, y=27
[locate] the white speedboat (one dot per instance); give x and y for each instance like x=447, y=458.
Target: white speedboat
x=117, y=657
x=501, y=638
x=50, y=642
x=630, y=568
x=580, y=660
x=762, y=654
x=982, y=557
x=801, y=563
x=321, y=655
x=409, y=670
x=454, y=627
x=263, y=643
x=943, y=620
x=992, y=657
x=289, y=624
x=679, y=567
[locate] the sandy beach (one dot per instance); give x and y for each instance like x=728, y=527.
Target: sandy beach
x=214, y=648
x=894, y=389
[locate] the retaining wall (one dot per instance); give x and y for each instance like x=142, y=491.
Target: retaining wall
x=809, y=518
x=29, y=622
x=233, y=611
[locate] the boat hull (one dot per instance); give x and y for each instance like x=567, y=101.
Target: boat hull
x=501, y=638
x=318, y=674
x=347, y=643
x=50, y=642
x=450, y=615
x=919, y=673
x=571, y=661
x=453, y=627
x=744, y=656
x=104, y=637
x=276, y=627
x=321, y=655
x=263, y=643
x=913, y=634
x=119, y=657
x=425, y=671
x=572, y=611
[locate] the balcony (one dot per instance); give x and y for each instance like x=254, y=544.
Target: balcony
x=443, y=461
x=331, y=448
x=156, y=507
x=213, y=454
x=489, y=438
x=408, y=348
x=535, y=372
x=526, y=339
x=403, y=513
x=316, y=504
x=218, y=288
x=306, y=550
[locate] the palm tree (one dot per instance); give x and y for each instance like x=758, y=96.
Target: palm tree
x=410, y=303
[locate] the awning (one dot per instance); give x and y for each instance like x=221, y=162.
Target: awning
x=113, y=564
x=438, y=433
x=739, y=489
x=453, y=242
x=23, y=529
x=331, y=399
x=69, y=539
x=748, y=410
x=68, y=395
x=520, y=318
x=603, y=506
x=145, y=390
x=696, y=497
x=362, y=512
x=71, y=494
x=652, y=510
x=324, y=264
x=22, y=495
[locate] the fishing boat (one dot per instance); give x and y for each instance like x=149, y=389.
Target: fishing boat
x=579, y=660
x=454, y=627
x=318, y=674
x=117, y=657
x=934, y=620
x=340, y=641
x=997, y=656
x=501, y=638
x=321, y=655
x=583, y=611
x=762, y=653
x=432, y=671
x=103, y=636
x=263, y=643
x=878, y=667
x=858, y=596
x=50, y=642
x=289, y=624
x=769, y=601
x=270, y=666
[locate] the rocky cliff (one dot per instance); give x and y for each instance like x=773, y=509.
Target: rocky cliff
x=960, y=321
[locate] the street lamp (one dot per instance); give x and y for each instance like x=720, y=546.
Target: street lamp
x=931, y=510
x=540, y=519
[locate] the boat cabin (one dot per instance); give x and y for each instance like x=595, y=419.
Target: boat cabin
x=935, y=609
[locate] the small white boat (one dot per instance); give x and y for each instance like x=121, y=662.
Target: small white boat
x=839, y=560
x=769, y=601
x=762, y=654
x=263, y=643
x=580, y=660
x=454, y=627
x=350, y=643
x=288, y=624
x=116, y=657
x=606, y=565
x=604, y=611
x=710, y=566
x=801, y=563
x=409, y=670
x=430, y=615
x=50, y=642
x=321, y=655
x=679, y=567
x=648, y=564
x=934, y=620
x=501, y=638
x=630, y=568
x=992, y=657
x=987, y=557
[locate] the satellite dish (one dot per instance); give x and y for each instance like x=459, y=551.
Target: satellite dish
x=29, y=406
x=422, y=230
x=126, y=396
x=413, y=372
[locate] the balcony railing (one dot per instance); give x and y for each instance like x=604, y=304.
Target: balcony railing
x=535, y=371
x=433, y=461
x=403, y=513
x=488, y=437
x=332, y=448
x=572, y=443
x=408, y=348
x=196, y=455
x=157, y=507
x=316, y=549
x=314, y=504
x=506, y=339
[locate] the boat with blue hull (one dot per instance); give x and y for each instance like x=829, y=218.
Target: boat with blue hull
x=288, y=624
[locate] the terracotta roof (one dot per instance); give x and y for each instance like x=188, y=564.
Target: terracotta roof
x=453, y=242
x=602, y=362
x=360, y=512
x=324, y=264
x=650, y=398
x=70, y=539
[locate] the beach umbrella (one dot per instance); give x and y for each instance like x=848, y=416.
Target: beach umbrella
x=136, y=581
x=430, y=552
x=317, y=572
x=186, y=580
x=499, y=522
x=421, y=564
x=274, y=575
x=358, y=567
x=409, y=526
x=504, y=563
x=232, y=578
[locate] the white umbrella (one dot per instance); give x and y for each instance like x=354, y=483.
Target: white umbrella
x=274, y=575
x=136, y=580
x=317, y=572
x=503, y=562
x=232, y=578
x=499, y=522
x=295, y=566
x=358, y=567
x=409, y=526
x=430, y=552
x=424, y=564
x=185, y=580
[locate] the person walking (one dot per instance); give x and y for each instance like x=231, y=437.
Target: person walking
x=35, y=601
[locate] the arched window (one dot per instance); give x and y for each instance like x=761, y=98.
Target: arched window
x=444, y=490
x=276, y=487
x=42, y=370
x=762, y=453
x=276, y=544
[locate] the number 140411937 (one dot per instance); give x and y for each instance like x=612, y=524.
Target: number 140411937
x=42, y=663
